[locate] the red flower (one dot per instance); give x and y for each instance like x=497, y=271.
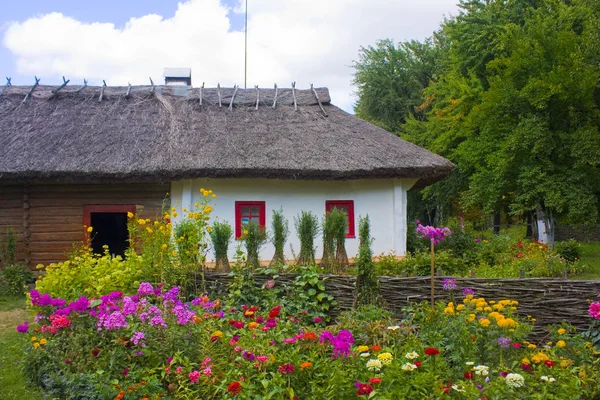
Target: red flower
x=526, y=367
x=376, y=348
x=234, y=388
x=375, y=381
x=95, y=352
x=364, y=390
x=516, y=345
x=418, y=363
x=445, y=389
x=309, y=336
x=431, y=351
x=274, y=312
x=286, y=369
x=469, y=375
x=125, y=372
x=549, y=363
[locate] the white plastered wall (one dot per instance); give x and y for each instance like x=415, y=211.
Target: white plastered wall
x=384, y=200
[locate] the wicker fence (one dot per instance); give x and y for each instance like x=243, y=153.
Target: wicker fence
x=549, y=301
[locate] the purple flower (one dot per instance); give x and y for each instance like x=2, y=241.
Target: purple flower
x=248, y=356
x=137, y=336
x=449, y=284
x=157, y=320
x=504, y=342
x=435, y=234
x=468, y=291
x=269, y=284
x=80, y=305
x=115, y=321
x=477, y=240
x=23, y=328
x=183, y=316
x=129, y=306
x=58, y=303
x=342, y=343
x=145, y=289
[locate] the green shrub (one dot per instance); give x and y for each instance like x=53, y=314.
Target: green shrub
x=281, y=231
x=389, y=265
x=570, y=250
x=254, y=238
x=14, y=279
x=8, y=249
x=367, y=284
x=419, y=264
x=307, y=228
x=221, y=234
x=335, y=258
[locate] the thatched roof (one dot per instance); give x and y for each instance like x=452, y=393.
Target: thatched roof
x=164, y=133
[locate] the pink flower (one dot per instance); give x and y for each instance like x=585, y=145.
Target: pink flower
x=262, y=359
x=179, y=369
x=194, y=376
x=286, y=369
x=207, y=371
x=595, y=310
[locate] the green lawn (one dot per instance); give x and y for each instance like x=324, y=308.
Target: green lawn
x=590, y=254
x=12, y=382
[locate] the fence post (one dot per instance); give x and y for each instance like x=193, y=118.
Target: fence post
x=522, y=274
x=472, y=273
x=565, y=274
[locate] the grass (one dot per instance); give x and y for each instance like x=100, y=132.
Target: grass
x=12, y=381
x=590, y=254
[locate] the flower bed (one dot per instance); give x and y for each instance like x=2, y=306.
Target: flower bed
x=153, y=345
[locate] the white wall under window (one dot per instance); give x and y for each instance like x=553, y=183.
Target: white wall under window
x=383, y=200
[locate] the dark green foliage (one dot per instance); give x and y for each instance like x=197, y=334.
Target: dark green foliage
x=367, y=284
x=570, y=250
x=335, y=258
x=221, y=235
x=8, y=249
x=281, y=231
x=14, y=279
x=307, y=228
x=254, y=238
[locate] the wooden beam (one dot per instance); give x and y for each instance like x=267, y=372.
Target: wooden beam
x=58, y=89
x=275, y=99
x=83, y=87
x=235, y=89
x=318, y=101
x=37, y=82
x=294, y=96
x=6, y=86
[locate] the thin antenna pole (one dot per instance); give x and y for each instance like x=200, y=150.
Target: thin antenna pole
x=246, y=47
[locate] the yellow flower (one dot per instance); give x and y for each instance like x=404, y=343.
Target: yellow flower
x=566, y=363
x=129, y=214
x=487, y=309
x=149, y=230
x=460, y=307
x=449, y=310
x=245, y=231
x=385, y=358
x=214, y=196
x=90, y=229
x=531, y=346
x=43, y=341
x=561, y=343
x=164, y=246
x=141, y=221
x=209, y=229
x=175, y=214
x=484, y=322
x=471, y=318
x=498, y=307
x=362, y=349
x=561, y=331
x=526, y=361
x=33, y=339
x=185, y=210
x=539, y=357
x=196, y=205
x=217, y=333
x=36, y=345
x=549, y=343
x=167, y=216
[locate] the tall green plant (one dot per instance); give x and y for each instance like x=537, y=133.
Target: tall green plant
x=367, y=284
x=339, y=220
x=328, y=230
x=221, y=234
x=307, y=227
x=281, y=232
x=254, y=238
x=8, y=249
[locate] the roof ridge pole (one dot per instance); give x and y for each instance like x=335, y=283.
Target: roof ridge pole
x=128, y=90
x=318, y=100
x=37, y=82
x=152, y=83
x=235, y=89
x=201, y=87
x=6, y=86
x=102, y=91
x=83, y=87
x=257, y=96
x=275, y=99
x=219, y=93
x=294, y=96
x=58, y=89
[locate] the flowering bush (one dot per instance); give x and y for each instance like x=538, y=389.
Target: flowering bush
x=153, y=345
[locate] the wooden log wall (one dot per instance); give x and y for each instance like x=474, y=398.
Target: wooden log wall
x=49, y=218
x=549, y=301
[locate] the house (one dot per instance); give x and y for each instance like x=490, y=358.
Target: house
x=82, y=155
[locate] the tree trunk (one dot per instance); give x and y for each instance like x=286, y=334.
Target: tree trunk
x=529, y=233
x=497, y=220
x=545, y=223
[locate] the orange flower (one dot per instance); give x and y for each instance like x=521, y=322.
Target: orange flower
x=306, y=364
x=310, y=336
x=376, y=348
x=252, y=325
x=120, y=395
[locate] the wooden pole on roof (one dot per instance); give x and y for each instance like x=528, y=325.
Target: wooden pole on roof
x=235, y=89
x=58, y=89
x=275, y=99
x=83, y=87
x=257, y=96
x=318, y=100
x=37, y=82
x=152, y=83
x=294, y=96
x=6, y=86
x=219, y=93
x=128, y=90
x=102, y=91
x=201, y=87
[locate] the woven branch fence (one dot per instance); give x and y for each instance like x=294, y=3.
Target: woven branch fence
x=549, y=301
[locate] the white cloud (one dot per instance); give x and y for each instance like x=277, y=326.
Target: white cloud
x=308, y=41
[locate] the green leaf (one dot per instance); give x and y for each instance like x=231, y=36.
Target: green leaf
x=312, y=292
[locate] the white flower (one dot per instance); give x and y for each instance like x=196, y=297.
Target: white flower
x=458, y=388
x=374, y=365
x=547, y=379
x=365, y=354
x=393, y=328
x=483, y=370
x=412, y=355
x=514, y=380
x=470, y=363
x=409, y=367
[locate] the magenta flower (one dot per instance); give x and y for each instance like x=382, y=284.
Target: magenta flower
x=286, y=369
x=594, y=310
x=449, y=284
x=23, y=328
x=194, y=376
x=145, y=289
x=435, y=234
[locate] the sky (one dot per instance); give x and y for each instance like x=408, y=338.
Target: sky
x=306, y=41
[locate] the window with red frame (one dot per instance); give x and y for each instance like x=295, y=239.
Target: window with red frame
x=246, y=211
x=348, y=207
x=109, y=227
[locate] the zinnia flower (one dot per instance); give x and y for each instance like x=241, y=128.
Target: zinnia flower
x=514, y=380
x=409, y=367
x=306, y=364
x=286, y=369
x=23, y=328
x=431, y=351
x=412, y=355
x=385, y=358
x=194, y=376
x=374, y=365
x=234, y=388
x=364, y=389
x=375, y=381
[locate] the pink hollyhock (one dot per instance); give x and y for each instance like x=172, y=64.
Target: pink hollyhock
x=594, y=310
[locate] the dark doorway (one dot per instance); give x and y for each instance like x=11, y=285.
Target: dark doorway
x=110, y=228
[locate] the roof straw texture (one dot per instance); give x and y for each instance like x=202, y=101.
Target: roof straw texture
x=167, y=134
